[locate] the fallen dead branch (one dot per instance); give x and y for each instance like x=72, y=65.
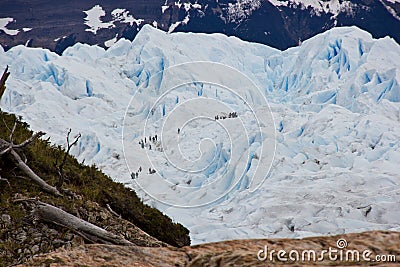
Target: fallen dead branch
x=90, y=232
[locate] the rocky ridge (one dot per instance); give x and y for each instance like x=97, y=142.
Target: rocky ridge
x=230, y=253
x=37, y=237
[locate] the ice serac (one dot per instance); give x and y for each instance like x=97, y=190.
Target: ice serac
x=334, y=99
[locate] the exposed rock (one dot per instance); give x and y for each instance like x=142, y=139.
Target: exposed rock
x=228, y=253
x=21, y=236
x=100, y=216
x=36, y=238
x=35, y=249
x=5, y=220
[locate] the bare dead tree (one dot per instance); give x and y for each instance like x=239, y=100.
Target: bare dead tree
x=8, y=147
x=3, y=81
x=60, y=167
x=112, y=211
x=5, y=180
x=90, y=232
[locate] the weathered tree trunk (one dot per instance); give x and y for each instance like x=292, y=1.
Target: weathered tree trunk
x=33, y=176
x=90, y=232
x=3, y=80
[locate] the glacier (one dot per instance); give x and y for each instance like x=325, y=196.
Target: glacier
x=334, y=127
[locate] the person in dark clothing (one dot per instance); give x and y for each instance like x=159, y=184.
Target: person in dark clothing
x=155, y=137
x=179, y=131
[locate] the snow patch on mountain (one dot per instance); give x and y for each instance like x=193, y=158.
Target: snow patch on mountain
x=93, y=19
x=335, y=101
x=3, y=26
x=164, y=8
x=178, y=23
x=186, y=6
x=94, y=22
x=333, y=6
x=390, y=9
x=4, y=22
x=241, y=9
x=123, y=16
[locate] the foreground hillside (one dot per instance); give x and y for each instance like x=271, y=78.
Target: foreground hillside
x=92, y=197
x=237, y=253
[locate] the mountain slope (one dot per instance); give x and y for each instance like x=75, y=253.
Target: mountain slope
x=334, y=101
x=281, y=24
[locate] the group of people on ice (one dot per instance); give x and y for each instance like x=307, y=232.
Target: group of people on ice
x=230, y=115
x=147, y=142
x=136, y=174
